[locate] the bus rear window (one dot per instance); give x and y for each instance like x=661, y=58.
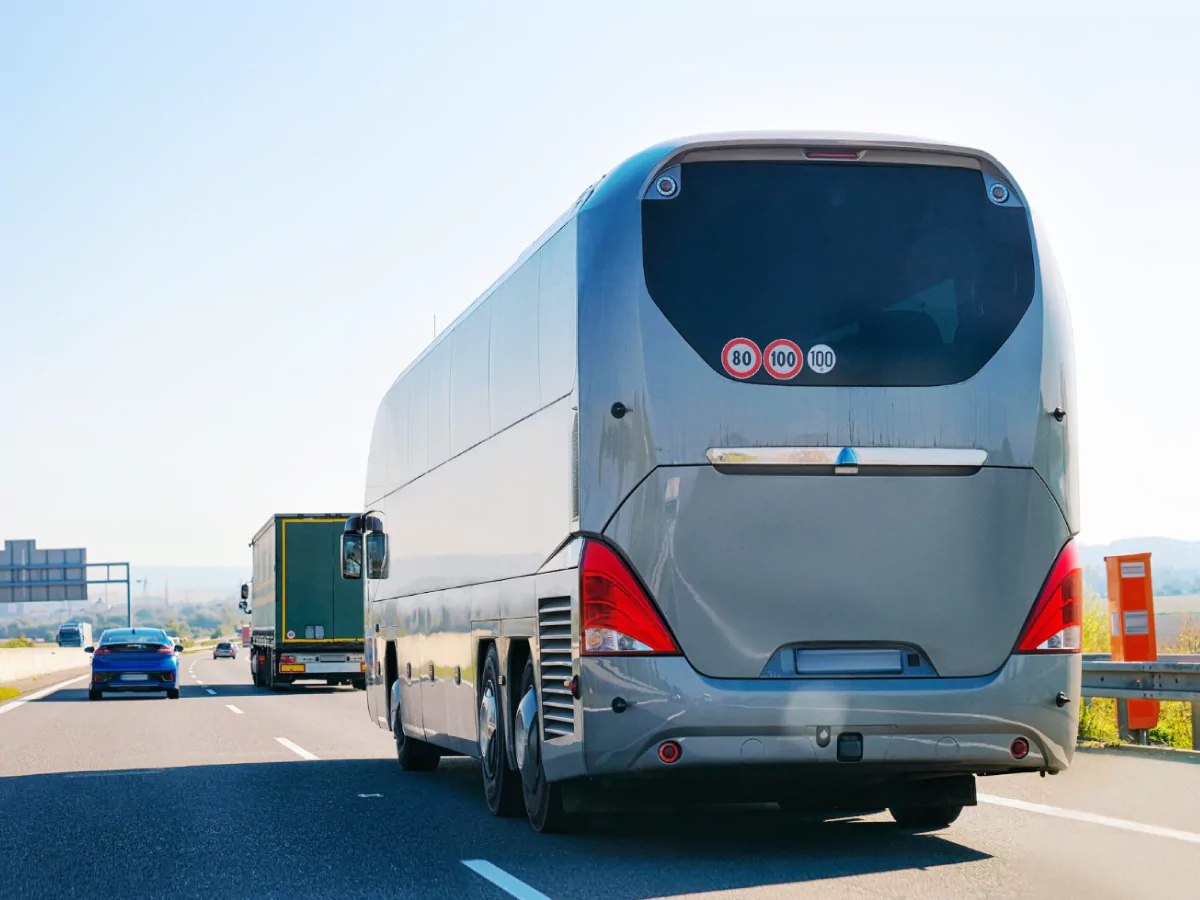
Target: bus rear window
x=909, y=274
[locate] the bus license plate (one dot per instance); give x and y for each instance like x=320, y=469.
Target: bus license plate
x=135, y=676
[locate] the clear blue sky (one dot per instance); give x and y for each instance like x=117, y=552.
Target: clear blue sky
x=212, y=213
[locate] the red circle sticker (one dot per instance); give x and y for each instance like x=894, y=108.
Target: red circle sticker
x=741, y=358
x=783, y=359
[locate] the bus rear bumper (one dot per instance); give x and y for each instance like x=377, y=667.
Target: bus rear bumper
x=918, y=725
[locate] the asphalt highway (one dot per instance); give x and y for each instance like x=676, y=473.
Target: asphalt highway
x=233, y=791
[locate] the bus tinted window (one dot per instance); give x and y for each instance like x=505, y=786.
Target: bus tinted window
x=908, y=273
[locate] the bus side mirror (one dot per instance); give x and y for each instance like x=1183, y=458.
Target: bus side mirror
x=377, y=556
x=352, y=555
x=245, y=592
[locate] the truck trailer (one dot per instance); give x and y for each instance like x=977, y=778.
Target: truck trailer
x=306, y=622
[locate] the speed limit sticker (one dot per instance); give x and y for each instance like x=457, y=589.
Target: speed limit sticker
x=821, y=359
x=783, y=359
x=741, y=358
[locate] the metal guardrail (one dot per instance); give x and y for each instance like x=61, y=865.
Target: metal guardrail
x=1174, y=677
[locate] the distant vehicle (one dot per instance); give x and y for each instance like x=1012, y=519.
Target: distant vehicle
x=74, y=634
x=138, y=660
x=306, y=622
x=754, y=478
x=245, y=635
x=225, y=649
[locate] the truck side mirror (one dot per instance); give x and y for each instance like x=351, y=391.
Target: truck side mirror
x=245, y=592
x=352, y=556
x=377, y=556
x=244, y=607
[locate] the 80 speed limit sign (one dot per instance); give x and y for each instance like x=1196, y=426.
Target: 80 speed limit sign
x=741, y=358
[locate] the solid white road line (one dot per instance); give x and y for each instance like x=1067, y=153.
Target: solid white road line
x=298, y=750
x=211, y=691
x=38, y=695
x=230, y=706
x=1057, y=812
x=501, y=879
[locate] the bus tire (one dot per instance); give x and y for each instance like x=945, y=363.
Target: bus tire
x=412, y=754
x=925, y=818
x=501, y=785
x=543, y=799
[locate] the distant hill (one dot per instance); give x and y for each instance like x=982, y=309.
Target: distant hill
x=1167, y=552
x=1175, y=565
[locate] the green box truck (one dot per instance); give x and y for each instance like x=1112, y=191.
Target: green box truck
x=306, y=621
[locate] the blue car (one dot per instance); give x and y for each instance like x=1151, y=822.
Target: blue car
x=138, y=660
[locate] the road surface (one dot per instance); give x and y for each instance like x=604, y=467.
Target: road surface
x=232, y=791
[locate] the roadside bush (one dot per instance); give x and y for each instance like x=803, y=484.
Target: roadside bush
x=18, y=641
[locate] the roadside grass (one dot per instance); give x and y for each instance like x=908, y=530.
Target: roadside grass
x=1098, y=717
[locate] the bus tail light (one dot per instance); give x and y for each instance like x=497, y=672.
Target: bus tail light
x=618, y=616
x=1055, y=625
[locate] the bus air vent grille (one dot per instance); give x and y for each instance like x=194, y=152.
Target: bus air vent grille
x=556, y=666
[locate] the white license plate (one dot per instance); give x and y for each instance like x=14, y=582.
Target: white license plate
x=135, y=676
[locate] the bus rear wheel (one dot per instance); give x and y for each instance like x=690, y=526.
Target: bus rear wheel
x=501, y=785
x=543, y=799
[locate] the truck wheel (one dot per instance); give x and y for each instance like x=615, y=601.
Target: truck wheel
x=925, y=818
x=501, y=785
x=543, y=799
x=413, y=755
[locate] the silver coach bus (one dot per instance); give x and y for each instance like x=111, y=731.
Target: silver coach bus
x=754, y=478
